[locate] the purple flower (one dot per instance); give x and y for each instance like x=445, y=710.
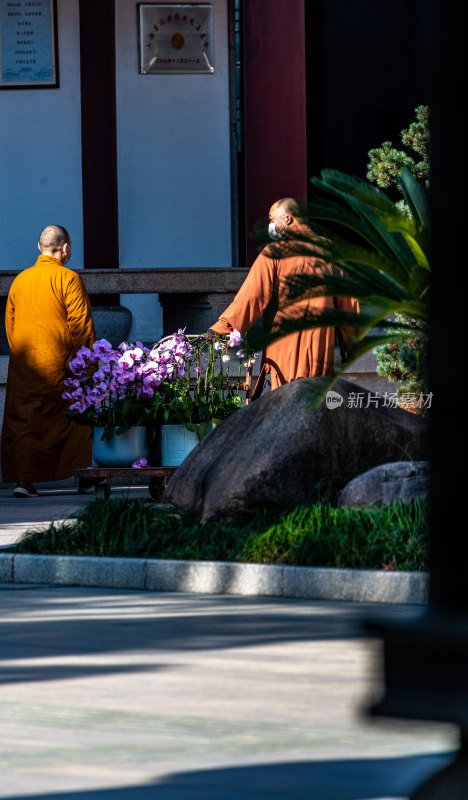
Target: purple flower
x=101, y=346
x=140, y=463
x=235, y=338
x=77, y=365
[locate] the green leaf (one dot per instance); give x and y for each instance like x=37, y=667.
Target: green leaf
x=203, y=429
x=123, y=429
x=415, y=197
x=108, y=432
x=81, y=419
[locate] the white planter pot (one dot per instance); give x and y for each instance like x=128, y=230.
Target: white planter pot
x=176, y=443
x=120, y=451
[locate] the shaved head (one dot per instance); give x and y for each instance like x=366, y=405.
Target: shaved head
x=53, y=237
x=288, y=205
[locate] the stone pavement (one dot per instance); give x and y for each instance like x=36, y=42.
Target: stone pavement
x=56, y=501
x=128, y=695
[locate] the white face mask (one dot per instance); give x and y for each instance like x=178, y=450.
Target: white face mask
x=273, y=233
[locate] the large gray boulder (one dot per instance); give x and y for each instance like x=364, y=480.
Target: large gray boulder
x=402, y=480
x=275, y=450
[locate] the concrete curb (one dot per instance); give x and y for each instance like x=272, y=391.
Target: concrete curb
x=217, y=577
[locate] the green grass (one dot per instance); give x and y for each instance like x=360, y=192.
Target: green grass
x=389, y=537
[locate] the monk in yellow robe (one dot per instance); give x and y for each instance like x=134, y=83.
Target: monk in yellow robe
x=303, y=354
x=48, y=318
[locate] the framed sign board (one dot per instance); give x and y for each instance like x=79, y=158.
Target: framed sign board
x=28, y=44
x=175, y=38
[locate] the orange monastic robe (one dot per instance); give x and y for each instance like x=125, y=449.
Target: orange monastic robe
x=48, y=318
x=307, y=353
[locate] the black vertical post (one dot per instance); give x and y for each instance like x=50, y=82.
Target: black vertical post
x=426, y=662
x=449, y=584
x=99, y=140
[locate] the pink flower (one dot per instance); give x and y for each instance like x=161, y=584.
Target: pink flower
x=130, y=356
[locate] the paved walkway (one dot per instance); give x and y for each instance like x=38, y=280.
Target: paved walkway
x=120, y=695
x=56, y=502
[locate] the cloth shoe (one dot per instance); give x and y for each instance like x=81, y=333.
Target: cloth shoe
x=20, y=491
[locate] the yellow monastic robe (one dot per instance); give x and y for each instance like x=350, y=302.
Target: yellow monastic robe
x=48, y=318
x=304, y=354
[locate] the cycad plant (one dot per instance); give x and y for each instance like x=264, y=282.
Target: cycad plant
x=404, y=361
x=380, y=257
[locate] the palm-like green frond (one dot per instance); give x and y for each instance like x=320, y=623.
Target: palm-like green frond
x=415, y=198
x=360, y=209
x=379, y=257
x=361, y=190
x=370, y=316
x=352, y=283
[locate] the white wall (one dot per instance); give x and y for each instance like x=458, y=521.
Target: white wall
x=173, y=163
x=40, y=156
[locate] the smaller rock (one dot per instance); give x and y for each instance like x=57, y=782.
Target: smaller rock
x=400, y=480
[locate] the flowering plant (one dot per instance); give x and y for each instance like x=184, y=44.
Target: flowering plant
x=205, y=393
x=112, y=388
x=174, y=381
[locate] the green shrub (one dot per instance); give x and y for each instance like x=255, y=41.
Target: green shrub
x=405, y=361
x=387, y=537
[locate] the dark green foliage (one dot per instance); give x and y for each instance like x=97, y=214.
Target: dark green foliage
x=390, y=537
x=386, y=162
x=406, y=360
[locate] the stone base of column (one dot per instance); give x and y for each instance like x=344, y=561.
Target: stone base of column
x=195, y=312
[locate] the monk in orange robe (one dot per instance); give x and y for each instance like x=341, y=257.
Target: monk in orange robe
x=306, y=353
x=48, y=318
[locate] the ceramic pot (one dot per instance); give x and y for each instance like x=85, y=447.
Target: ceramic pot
x=176, y=443
x=120, y=451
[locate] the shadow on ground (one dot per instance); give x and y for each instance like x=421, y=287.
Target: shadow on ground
x=361, y=779
x=187, y=625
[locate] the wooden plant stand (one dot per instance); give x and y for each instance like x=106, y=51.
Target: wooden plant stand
x=103, y=490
